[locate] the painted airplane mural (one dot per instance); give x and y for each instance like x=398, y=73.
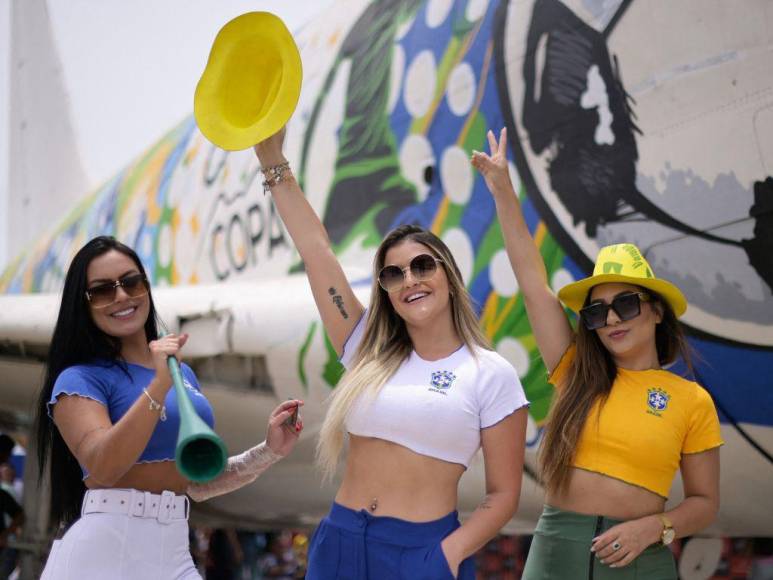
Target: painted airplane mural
x=649, y=122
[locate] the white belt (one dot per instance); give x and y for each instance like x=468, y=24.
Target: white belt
x=166, y=507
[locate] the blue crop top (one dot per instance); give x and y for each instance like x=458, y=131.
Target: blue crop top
x=117, y=389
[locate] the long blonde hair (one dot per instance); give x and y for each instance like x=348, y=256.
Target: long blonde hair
x=386, y=344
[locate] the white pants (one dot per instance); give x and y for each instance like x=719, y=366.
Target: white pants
x=125, y=534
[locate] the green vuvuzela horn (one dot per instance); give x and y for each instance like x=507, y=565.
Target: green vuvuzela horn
x=200, y=454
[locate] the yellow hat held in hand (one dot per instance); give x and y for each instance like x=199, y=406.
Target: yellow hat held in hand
x=622, y=263
x=251, y=84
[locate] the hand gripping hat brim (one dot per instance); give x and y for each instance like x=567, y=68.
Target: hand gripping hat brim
x=251, y=84
x=622, y=263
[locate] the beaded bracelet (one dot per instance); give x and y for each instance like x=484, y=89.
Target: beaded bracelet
x=275, y=174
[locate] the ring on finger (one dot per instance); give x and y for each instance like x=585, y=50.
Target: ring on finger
x=616, y=545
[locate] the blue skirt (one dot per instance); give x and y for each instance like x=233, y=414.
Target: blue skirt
x=355, y=545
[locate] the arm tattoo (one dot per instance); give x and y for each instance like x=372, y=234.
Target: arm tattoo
x=338, y=301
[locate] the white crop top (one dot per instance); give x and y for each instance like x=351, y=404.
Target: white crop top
x=437, y=408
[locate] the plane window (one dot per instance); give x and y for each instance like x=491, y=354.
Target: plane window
x=239, y=372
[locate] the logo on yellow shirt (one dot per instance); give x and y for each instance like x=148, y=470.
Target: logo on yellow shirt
x=657, y=401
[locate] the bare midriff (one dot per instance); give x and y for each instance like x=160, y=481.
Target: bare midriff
x=597, y=494
x=399, y=482
x=153, y=477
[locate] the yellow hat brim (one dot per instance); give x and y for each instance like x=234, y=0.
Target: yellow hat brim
x=574, y=294
x=251, y=84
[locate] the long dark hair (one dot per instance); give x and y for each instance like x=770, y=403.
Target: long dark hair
x=589, y=378
x=76, y=340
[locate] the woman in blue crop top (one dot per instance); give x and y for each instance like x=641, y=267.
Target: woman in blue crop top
x=605, y=512
x=423, y=391
x=107, y=423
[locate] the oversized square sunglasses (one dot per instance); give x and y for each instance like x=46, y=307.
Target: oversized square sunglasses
x=627, y=307
x=422, y=268
x=102, y=295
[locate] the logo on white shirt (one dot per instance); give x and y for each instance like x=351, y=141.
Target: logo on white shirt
x=442, y=381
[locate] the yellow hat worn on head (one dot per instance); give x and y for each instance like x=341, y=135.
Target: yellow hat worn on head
x=622, y=263
x=251, y=84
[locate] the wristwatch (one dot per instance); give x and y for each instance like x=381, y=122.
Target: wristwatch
x=668, y=534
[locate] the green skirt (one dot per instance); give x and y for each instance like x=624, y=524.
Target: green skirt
x=560, y=550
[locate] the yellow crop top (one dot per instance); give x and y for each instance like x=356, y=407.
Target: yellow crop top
x=650, y=419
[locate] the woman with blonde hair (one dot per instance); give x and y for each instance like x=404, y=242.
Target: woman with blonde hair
x=422, y=393
x=621, y=425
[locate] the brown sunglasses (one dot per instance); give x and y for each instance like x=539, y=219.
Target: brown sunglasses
x=422, y=267
x=102, y=295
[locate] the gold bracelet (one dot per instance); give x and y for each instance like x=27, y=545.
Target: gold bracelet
x=156, y=406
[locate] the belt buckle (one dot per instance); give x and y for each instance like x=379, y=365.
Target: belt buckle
x=165, y=507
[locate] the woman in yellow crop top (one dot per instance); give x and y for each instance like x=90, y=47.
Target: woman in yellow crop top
x=620, y=425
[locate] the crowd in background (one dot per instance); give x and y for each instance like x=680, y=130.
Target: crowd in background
x=230, y=554
x=223, y=554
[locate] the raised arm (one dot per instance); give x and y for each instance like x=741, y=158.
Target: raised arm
x=109, y=450
x=549, y=323
x=338, y=307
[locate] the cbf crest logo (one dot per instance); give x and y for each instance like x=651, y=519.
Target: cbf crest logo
x=442, y=381
x=657, y=401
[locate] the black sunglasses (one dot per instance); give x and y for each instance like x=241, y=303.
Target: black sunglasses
x=422, y=268
x=135, y=285
x=627, y=306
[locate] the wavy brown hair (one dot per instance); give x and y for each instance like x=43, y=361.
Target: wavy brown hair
x=589, y=379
